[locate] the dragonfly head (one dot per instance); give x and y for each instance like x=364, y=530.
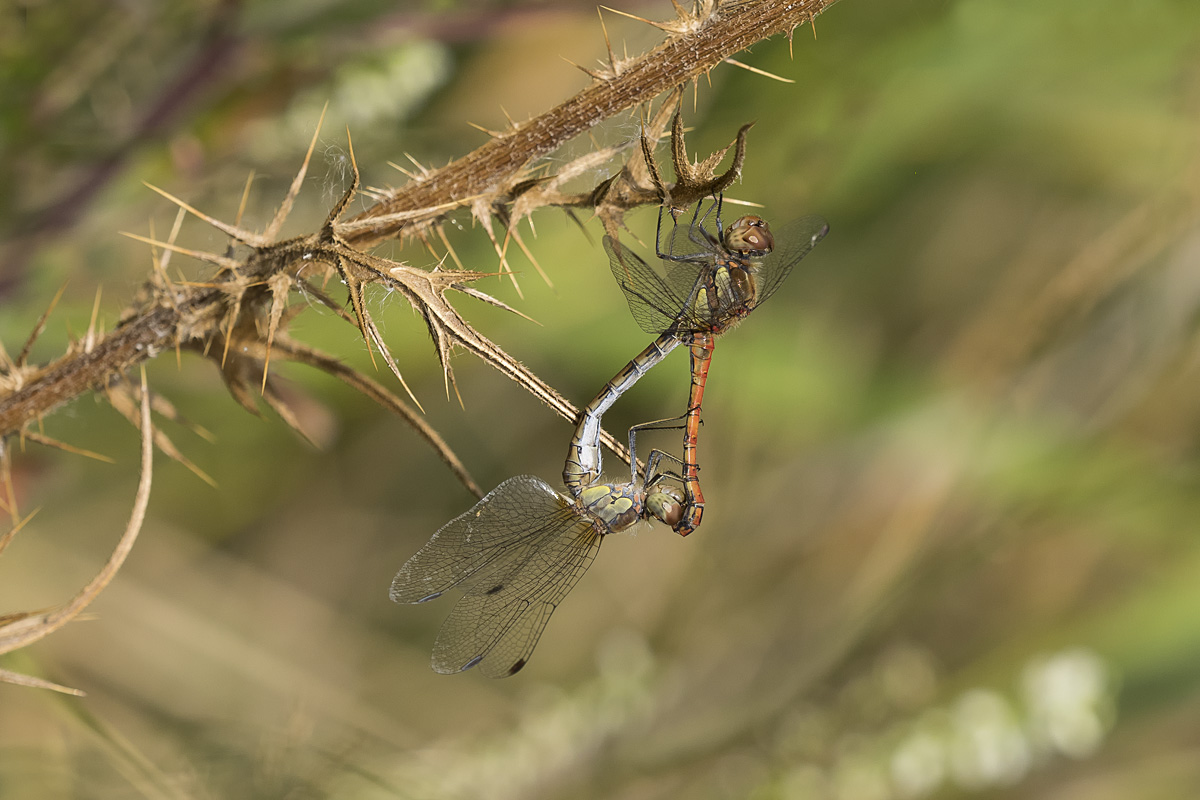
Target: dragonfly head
x=665, y=504
x=749, y=235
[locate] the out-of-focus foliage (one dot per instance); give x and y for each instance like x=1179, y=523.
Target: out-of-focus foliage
x=952, y=466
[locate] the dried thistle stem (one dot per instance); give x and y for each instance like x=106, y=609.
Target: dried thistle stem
x=681, y=58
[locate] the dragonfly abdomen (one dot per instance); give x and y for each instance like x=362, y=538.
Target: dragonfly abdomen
x=583, y=464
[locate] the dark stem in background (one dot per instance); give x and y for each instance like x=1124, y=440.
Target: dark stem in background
x=218, y=50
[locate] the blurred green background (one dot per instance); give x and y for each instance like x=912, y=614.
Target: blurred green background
x=951, y=468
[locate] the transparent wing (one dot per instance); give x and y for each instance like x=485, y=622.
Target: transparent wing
x=693, y=236
x=499, y=620
x=792, y=243
x=656, y=299
x=496, y=525
x=515, y=555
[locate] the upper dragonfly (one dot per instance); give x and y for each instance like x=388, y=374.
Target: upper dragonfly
x=708, y=282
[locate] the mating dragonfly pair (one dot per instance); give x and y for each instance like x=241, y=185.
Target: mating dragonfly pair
x=521, y=549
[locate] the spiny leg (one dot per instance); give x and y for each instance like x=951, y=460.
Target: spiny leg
x=670, y=423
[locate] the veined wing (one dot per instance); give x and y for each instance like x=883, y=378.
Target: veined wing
x=515, y=555
x=792, y=243
x=693, y=236
x=656, y=299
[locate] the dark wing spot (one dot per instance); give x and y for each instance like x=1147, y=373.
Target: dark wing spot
x=495, y=588
x=515, y=668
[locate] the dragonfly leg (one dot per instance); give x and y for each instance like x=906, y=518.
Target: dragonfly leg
x=656, y=472
x=661, y=501
x=697, y=224
x=689, y=508
x=697, y=234
x=658, y=251
x=670, y=423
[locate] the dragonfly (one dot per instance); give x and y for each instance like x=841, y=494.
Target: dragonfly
x=521, y=549
x=708, y=282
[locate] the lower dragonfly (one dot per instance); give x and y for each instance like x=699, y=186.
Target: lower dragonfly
x=708, y=283
x=522, y=548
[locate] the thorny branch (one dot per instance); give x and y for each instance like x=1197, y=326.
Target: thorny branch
x=239, y=318
x=697, y=42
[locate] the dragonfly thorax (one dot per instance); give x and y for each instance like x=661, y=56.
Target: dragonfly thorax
x=730, y=290
x=615, y=506
x=726, y=296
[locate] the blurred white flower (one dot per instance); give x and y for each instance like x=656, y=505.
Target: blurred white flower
x=1065, y=696
x=919, y=764
x=988, y=746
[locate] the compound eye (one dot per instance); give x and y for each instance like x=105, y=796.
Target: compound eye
x=665, y=506
x=671, y=513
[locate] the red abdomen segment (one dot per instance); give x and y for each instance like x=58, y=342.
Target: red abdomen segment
x=700, y=353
